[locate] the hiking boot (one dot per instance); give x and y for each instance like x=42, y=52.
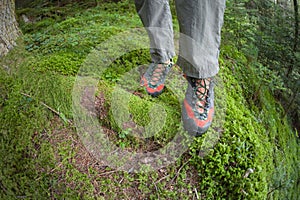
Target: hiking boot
x=154, y=78
x=198, y=105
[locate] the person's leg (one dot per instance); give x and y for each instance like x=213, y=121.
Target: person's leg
x=157, y=19
x=200, y=24
x=200, y=27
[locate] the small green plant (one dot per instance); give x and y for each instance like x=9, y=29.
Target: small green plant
x=122, y=138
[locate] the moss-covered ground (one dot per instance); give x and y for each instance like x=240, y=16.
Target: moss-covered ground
x=42, y=157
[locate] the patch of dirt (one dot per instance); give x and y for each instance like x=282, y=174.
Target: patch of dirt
x=81, y=159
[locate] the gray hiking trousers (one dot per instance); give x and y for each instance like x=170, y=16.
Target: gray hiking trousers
x=200, y=23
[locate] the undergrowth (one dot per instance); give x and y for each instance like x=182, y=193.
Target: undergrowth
x=256, y=156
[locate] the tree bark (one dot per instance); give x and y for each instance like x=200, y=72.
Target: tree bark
x=9, y=30
x=296, y=14
x=296, y=36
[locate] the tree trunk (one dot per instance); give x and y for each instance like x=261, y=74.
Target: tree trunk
x=296, y=14
x=9, y=30
x=296, y=36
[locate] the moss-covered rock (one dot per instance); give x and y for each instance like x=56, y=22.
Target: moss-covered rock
x=250, y=152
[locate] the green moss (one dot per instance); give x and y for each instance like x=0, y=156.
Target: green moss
x=255, y=134
x=62, y=63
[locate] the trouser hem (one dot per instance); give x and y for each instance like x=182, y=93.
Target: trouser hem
x=207, y=70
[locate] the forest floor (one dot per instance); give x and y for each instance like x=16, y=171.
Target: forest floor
x=56, y=111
